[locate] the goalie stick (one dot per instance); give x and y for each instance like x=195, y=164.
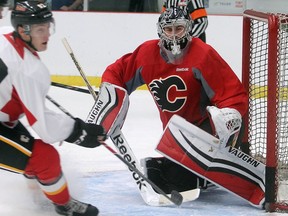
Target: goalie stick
x=175, y=198
x=145, y=187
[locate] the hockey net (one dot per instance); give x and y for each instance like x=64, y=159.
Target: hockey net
x=265, y=77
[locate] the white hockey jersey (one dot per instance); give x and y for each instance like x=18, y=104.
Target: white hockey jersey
x=24, y=84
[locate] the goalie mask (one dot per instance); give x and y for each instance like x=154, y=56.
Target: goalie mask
x=174, y=29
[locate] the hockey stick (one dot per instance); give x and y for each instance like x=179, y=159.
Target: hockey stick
x=117, y=137
x=59, y=106
x=71, y=53
x=176, y=197
x=73, y=88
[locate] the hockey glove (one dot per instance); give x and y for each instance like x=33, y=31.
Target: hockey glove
x=227, y=123
x=86, y=135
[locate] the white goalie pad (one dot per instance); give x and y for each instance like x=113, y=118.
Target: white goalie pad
x=200, y=152
x=110, y=108
x=227, y=123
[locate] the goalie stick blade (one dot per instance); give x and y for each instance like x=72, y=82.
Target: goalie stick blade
x=190, y=195
x=185, y=196
x=160, y=200
x=178, y=198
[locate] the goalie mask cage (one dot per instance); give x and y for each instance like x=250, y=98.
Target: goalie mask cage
x=265, y=77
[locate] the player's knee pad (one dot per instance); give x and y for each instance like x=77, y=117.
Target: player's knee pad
x=110, y=108
x=44, y=162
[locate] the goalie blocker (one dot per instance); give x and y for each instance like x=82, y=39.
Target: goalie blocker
x=202, y=153
x=110, y=108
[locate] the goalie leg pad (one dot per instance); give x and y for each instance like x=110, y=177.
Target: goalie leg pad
x=201, y=153
x=110, y=108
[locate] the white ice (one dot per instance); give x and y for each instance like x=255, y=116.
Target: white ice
x=96, y=176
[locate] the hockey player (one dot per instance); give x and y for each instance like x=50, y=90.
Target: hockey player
x=197, y=12
x=186, y=77
x=3, y=8
x=24, y=83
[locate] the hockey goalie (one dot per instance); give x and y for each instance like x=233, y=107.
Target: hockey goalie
x=201, y=103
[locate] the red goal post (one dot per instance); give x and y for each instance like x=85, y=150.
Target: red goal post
x=265, y=77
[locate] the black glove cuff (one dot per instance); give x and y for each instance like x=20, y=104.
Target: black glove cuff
x=76, y=131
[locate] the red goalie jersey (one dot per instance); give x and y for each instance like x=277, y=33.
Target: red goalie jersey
x=186, y=89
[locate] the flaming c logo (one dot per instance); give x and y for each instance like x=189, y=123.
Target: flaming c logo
x=169, y=93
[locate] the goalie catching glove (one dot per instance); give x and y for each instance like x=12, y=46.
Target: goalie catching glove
x=87, y=135
x=227, y=123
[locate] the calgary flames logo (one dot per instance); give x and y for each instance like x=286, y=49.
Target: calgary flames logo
x=168, y=93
